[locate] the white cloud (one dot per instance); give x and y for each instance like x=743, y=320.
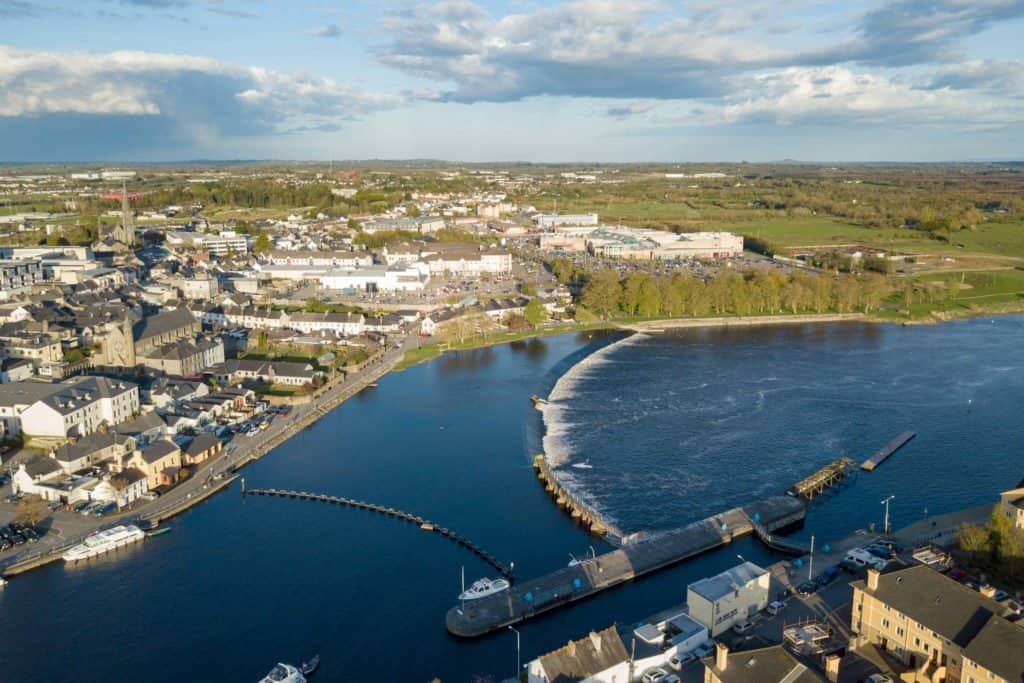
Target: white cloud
x=836, y=94
x=187, y=89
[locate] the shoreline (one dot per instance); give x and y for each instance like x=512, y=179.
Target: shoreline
x=229, y=464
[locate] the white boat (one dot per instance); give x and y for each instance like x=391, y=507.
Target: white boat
x=585, y=465
x=284, y=673
x=100, y=542
x=483, y=588
x=3, y=582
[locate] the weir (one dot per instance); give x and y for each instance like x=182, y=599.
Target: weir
x=527, y=599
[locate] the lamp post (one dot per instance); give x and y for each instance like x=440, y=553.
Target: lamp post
x=518, y=663
x=885, y=526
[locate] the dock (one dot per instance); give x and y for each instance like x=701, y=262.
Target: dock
x=828, y=476
x=424, y=524
x=881, y=456
x=528, y=599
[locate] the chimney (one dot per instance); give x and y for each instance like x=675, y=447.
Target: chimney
x=873, y=575
x=721, y=656
x=832, y=667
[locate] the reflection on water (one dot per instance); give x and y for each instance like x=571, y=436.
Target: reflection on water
x=467, y=361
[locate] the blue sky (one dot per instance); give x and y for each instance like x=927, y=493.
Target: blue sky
x=589, y=80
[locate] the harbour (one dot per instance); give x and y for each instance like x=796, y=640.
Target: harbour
x=881, y=456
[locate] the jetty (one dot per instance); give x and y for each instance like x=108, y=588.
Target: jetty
x=576, y=508
x=424, y=524
x=828, y=476
x=881, y=456
x=530, y=598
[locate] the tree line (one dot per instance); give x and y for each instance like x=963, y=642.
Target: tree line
x=758, y=292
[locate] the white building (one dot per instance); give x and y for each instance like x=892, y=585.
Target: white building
x=412, y=277
x=551, y=220
x=74, y=407
x=420, y=224
x=721, y=601
x=219, y=245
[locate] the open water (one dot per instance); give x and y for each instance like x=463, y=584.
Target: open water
x=674, y=428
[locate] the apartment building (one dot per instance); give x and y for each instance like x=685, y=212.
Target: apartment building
x=939, y=628
x=75, y=407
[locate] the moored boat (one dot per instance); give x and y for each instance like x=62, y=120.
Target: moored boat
x=284, y=673
x=158, y=532
x=100, y=542
x=483, y=588
x=309, y=667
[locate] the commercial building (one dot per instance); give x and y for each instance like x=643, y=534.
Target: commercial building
x=465, y=259
x=547, y=221
x=661, y=245
x=412, y=277
x=734, y=595
x=941, y=629
x=420, y=224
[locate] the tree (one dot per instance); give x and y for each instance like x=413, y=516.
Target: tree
x=535, y=313
x=602, y=292
x=262, y=244
x=528, y=289
x=972, y=538
x=31, y=510
x=562, y=269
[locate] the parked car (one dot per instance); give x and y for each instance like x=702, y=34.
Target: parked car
x=807, y=588
x=680, y=659
x=774, y=607
x=827, y=576
x=104, y=509
x=150, y=495
x=655, y=675
x=702, y=651
x=878, y=678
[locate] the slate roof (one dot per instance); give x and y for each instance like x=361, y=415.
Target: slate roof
x=999, y=647
x=87, y=445
x=160, y=323
x=951, y=609
x=585, y=657
x=40, y=466
x=157, y=450
x=201, y=444
x=765, y=665
x=140, y=425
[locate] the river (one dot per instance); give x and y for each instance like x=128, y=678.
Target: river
x=242, y=583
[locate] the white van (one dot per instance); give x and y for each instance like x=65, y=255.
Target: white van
x=863, y=558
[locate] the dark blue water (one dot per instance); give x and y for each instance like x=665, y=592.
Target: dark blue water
x=705, y=420
x=240, y=584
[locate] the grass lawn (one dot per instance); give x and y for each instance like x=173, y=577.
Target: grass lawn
x=990, y=291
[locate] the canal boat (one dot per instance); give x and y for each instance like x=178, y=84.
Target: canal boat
x=284, y=673
x=308, y=668
x=158, y=532
x=100, y=542
x=483, y=588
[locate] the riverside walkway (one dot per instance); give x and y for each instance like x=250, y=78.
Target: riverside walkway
x=529, y=598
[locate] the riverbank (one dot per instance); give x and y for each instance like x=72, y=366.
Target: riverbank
x=247, y=450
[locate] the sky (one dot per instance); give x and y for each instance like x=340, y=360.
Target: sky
x=579, y=81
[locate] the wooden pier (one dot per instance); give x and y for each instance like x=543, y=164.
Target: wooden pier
x=881, y=456
x=577, y=509
x=424, y=524
x=527, y=599
x=828, y=476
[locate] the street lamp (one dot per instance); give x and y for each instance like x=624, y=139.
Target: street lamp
x=518, y=664
x=885, y=526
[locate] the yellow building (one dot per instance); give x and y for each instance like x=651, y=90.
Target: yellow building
x=943, y=631
x=1011, y=504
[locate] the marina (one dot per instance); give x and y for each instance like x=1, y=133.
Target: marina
x=530, y=598
x=881, y=456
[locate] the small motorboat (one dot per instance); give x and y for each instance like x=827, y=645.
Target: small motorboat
x=483, y=588
x=309, y=667
x=284, y=673
x=158, y=532
x=585, y=465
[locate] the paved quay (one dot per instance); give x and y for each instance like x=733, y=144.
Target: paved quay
x=564, y=586
x=65, y=529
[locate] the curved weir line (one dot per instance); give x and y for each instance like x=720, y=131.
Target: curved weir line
x=391, y=512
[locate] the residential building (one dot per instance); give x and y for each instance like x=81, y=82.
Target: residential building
x=601, y=657
x=262, y=371
x=200, y=449
x=16, y=277
x=420, y=224
x=223, y=244
x=34, y=472
x=941, y=629
x=183, y=357
x=143, y=428
x=772, y=664
x=124, y=487
x=160, y=461
x=736, y=594
x=74, y=407
x=15, y=370
x=96, y=448
x=1011, y=504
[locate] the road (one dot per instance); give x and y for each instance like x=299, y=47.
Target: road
x=63, y=528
